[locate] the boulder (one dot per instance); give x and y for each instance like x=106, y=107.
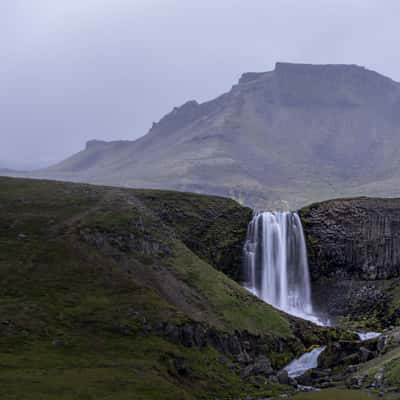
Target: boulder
x=261, y=366
x=365, y=354
x=283, y=377
x=378, y=379
x=357, y=381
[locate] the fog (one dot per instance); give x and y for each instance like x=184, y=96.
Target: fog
x=74, y=70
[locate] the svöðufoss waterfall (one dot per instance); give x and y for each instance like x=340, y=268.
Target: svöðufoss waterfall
x=276, y=266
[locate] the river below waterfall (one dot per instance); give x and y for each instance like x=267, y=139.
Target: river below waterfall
x=301, y=365
x=363, y=336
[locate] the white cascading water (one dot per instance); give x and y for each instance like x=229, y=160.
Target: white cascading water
x=307, y=361
x=276, y=266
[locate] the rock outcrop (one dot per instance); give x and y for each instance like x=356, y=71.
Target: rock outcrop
x=354, y=253
x=354, y=238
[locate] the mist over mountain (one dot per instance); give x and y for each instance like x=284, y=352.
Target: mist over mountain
x=283, y=138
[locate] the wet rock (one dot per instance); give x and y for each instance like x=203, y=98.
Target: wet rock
x=343, y=352
x=283, y=377
x=303, y=388
x=382, y=342
x=305, y=379
x=378, y=379
x=365, y=354
x=357, y=381
x=324, y=384
x=350, y=359
x=351, y=369
x=261, y=366
x=293, y=382
x=320, y=373
x=337, y=378
x=244, y=358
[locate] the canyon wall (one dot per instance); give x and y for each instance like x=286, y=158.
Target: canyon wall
x=354, y=256
x=353, y=238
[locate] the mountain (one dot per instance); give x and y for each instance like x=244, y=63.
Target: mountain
x=283, y=138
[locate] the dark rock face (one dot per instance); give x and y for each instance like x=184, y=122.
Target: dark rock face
x=354, y=238
x=354, y=257
x=351, y=296
x=245, y=347
x=246, y=350
x=347, y=352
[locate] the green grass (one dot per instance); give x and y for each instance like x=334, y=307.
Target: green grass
x=115, y=368
x=234, y=305
x=389, y=363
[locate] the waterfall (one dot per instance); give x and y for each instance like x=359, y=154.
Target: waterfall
x=307, y=361
x=275, y=261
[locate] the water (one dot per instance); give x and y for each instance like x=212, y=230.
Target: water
x=367, y=335
x=307, y=361
x=276, y=266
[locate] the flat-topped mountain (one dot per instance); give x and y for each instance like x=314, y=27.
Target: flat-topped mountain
x=297, y=134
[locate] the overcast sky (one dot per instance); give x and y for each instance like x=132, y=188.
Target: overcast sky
x=75, y=70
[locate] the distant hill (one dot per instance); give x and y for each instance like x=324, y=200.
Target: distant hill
x=283, y=138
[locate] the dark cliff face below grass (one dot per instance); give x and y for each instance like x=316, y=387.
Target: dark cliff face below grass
x=354, y=257
x=112, y=293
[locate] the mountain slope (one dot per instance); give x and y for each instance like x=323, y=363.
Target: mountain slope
x=296, y=134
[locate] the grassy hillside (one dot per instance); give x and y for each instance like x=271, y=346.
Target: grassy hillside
x=109, y=293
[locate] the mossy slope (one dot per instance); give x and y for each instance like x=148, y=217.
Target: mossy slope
x=90, y=275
